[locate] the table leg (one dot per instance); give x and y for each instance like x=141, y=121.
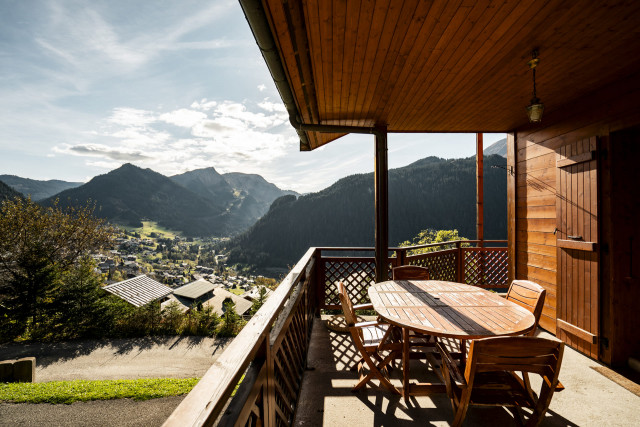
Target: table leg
x=405, y=363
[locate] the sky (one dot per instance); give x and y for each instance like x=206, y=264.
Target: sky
x=86, y=86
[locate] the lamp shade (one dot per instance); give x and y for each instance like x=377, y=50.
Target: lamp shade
x=534, y=111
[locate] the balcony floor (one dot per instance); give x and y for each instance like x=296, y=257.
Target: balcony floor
x=326, y=398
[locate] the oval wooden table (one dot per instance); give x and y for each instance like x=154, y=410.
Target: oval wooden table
x=445, y=309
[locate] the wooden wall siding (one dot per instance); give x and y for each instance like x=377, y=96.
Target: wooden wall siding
x=620, y=262
x=611, y=108
x=447, y=65
x=577, y=270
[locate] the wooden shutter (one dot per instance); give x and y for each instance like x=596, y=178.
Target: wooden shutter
x=577, y=245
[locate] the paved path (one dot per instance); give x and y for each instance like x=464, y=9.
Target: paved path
x=152, y=357
x=156, y=357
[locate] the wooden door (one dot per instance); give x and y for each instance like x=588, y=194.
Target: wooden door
x=577, y=308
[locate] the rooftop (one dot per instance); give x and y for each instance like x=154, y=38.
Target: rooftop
x=195, y=289
x=139, y=291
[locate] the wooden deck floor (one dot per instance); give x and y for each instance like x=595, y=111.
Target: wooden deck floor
x=326, y=398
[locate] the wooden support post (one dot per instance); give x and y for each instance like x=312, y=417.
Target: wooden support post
x=479, y=189
x=511, y=204
x=381, y=207
x=480, y=202
x=459, y=263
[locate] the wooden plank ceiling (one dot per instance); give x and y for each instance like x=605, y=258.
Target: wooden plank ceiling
x=447, y=65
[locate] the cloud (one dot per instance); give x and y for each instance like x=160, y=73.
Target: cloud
x=272, y=106
x=97, y=150
x=183, y=117
x=230, y=135
x=131, y=117
x=203, y=104
x=262, y=88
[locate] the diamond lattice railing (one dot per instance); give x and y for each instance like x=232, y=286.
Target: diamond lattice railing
x=356, y=274
x=441, y=264
x=486, y=267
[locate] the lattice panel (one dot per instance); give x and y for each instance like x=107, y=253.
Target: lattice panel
x=357, y=274
x=442, y=266
x=289, y=361
x=486, y=268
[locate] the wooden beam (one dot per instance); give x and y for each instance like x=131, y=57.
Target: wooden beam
x=578, y=332
x=479, y=189
x=587, y=156
x=381, y=207
x=577, y=244
x=511, y=204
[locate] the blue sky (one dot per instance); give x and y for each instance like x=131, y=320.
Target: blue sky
x=86, y=86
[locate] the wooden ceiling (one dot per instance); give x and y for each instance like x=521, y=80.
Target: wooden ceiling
x=447, y=65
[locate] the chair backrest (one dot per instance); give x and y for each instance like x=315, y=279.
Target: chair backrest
x=347, y=305
x=529, y=295
x=410, y=272
x=541, y=356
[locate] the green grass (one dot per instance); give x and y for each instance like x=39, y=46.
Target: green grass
x=81, y=390
x=236, y=291
x=149, y=227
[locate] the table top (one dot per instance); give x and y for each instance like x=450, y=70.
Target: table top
x=448, y=309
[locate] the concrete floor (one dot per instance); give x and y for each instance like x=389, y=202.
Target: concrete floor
x=590, y=399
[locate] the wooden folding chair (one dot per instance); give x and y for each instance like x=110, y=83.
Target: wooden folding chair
x=490, y=379
x=530, y=296
x=370, y=338
x=410, y=272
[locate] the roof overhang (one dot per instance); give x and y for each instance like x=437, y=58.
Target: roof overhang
x=437, y=66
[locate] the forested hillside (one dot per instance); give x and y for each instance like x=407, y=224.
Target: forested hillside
x=7, y=193
x=37, y=189
x=430, y=193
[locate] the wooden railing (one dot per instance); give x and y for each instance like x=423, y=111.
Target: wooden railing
x=257, y=379
x=463, y=261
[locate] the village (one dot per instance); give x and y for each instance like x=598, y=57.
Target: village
x=185, y=271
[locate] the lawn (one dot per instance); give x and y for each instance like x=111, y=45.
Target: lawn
x=149, y=227
x=82, y=390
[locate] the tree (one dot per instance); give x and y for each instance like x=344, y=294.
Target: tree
x=37, y=247
x=231, y=320
x=258, y=302
x=428, y=236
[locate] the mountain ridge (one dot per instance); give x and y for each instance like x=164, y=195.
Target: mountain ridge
x=429, y=193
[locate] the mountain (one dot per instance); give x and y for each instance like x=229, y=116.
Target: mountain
x=259, y=192
x=7, y=193
x=37, y=189
x=498, y=147
x=430, y=193
x=242, y=198
x=209, y=184
x=128, y=194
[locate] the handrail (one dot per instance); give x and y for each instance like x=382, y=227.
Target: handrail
x=396, y=248
x=206, y=401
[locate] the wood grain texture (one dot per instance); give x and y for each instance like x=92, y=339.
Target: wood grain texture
x=448, y=309
x=446, y=66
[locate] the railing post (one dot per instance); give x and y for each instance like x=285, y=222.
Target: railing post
x=401, y=257
x=270, y=395
x=460, y=263
x=321, y=281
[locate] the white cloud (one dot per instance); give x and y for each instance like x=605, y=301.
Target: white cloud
x=262, y=88
x=235, y=136
x=131, y=117
x=183, y=117
x=272, y=106
x=203, y=104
